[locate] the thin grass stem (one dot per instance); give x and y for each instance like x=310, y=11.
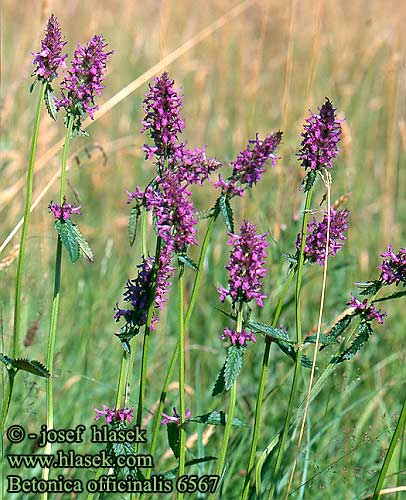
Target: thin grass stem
x=182, y=429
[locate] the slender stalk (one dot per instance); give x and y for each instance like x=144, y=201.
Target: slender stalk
x=145, y=345
x=172, y=363
x=389, y=453
x=182, y=430
x=55, y=307
x=24, y=232
x=299, y=341
x=122, y=379
x=144, y=232
x=261, y=389
x=230, y=416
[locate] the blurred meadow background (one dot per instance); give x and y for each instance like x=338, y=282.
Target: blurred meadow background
x=258, y=67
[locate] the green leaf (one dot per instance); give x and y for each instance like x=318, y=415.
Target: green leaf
x=369, y=287
x=217, y=418
x=49, y=102
x=83, y=244
x=364, y=332
x=309, y=180
x=395, y=295
x=185, y=259
x=220, y=383
x=225, y=208
x=231, y=316
x=233, y=365
x=32, y=86
x=6, y=360
x=68, y=237
x=340, y=324
x=292, y=353
x=31, y=366
x=174, y=438
x=171, y=474
x=270, y=331
x=135, y=212
x=323, y=339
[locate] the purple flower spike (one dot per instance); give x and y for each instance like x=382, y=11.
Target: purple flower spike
x=393, y=268
x=369, y=313
x=83, y=80
x=240, y=338
x=246, y=266
x=50, y=56
x=250, y=164
x=315, y=248
x=175, y=418
x=162, y=105
x=320, y=138
x=113, y=414
x=64, y=211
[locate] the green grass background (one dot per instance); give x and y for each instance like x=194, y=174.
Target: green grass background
x=260, y=72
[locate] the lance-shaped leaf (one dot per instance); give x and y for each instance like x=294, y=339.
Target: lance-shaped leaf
x=171, y=474
x=364, y=332
x=185, y=259
x=369, y=287
x=217, y=418
x=173, y=431
x=233, y=365
x=31, y=366
x=395, y=295
x=323, y=339
x=290, y=351
x=132, y=224
x=340, y=324
x=84, y=246
x=220, y=384
x=50, y=102
x=309, y=180
x=68, y=237
x=269, y=331
x=227, y=212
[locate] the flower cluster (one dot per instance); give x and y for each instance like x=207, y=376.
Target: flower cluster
x=115, y=414
x=175, y=418
x=315, y=248
x=249, y=166
x=83, y=80
x=240, y=338
x=50, y=56
x=193, y=166
x=162, y=106
x=246, y=266
x=369, y=312
x=320, y=138
x=393, y=268
x=64, y=211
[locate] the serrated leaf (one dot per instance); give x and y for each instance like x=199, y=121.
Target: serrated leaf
x=323, y=339
x=217, y=418
x=68, y=237
x=290, y=351
x=220, y=384
x=32, y=86
x=31, y=366
x=309, y=180
x=395, y=295
x=132, y=224
x=49, y=102
x=269, y=331
x=364, y=332
x=84, y=246
x=369, y=287
x=185, y=259
x=340, y=324
x=225, y=208
x=233, y=365
x=173, y=431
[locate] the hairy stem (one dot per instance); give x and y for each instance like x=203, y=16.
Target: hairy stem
x=261, y=389
x=299, y=341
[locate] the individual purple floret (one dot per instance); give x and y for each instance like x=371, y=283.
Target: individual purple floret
x=120, y=414
x=175, y=418
x=246, y=266
x=83, y=80
x=50, y=56
x=367, y=312
x=250, y=164
x=393, y=268
x=240, y=338
x=63, y=212
x=315, y=248
x=320, y=138
x=162, y=120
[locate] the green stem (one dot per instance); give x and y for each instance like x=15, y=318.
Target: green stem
x=389, y=453
x=55, y=306
x=230, y=416
x=299, y=341
x=261, y=389
x=182, y=429
x=144, y=232
x=174, y=358
x=7, y=399
x=122, y=379
x=24, y=231
x=145, y=345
